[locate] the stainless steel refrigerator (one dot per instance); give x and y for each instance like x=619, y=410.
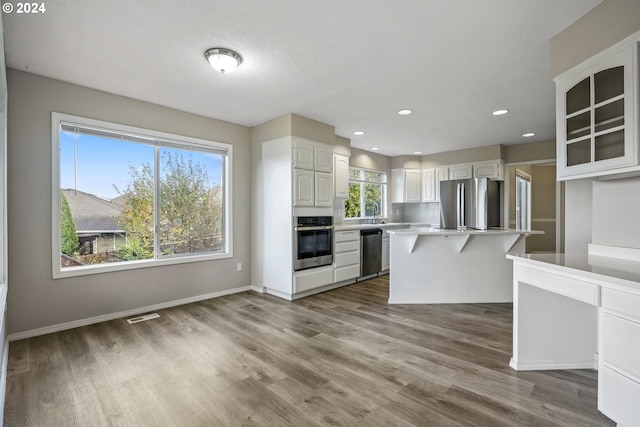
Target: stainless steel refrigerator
x=469, y=204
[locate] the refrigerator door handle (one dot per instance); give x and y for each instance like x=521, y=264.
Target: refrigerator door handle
x=460, y=206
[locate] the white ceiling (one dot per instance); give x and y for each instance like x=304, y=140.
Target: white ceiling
x=348, y=63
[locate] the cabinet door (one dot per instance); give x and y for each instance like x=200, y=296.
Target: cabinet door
x=597, y=117
x=412, y=192
x=429, y=185
x=341, y=175
x=460, y=171
x=323, y=158
x=303, y=154
x=303, y=187
x=491, y=170
x=323, y=189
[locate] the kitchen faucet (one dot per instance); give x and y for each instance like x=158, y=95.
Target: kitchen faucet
x=376, y=212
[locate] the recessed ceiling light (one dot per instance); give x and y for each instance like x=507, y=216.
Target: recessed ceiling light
x=359, y=132
x=375, y=148
x=500, y=112
x=417, y=152
x=405, y=112
x=528, y=134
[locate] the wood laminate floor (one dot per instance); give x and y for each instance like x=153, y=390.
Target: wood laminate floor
x=340, y=358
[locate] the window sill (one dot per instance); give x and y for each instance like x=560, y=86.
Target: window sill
x=134, y=265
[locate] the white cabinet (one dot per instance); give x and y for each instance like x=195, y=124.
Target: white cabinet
x=341, y=175
x=303, y=154
x=313, y=278
x=493, y=169
x=312, y=173
x=323, y=187
x=303, y=187
x=597, y=115
x=312, y=155
x=406, y=185
x=323, y=158
x=431, y=179
x=462, y=171
x=346, y=255
x=428, y=185
x=619, y=357
x=288, y=192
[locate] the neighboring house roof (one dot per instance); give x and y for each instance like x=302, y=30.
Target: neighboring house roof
x=91, y=213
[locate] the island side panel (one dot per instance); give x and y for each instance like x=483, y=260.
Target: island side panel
x=433, y=269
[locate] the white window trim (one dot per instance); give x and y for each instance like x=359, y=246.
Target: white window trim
x=58, y=272
x=383, y=196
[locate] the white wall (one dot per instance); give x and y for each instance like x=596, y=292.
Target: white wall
x=616, y=212
x=35, y=299
x=578, y=215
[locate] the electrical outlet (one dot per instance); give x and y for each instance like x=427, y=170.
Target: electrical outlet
x=239, y=267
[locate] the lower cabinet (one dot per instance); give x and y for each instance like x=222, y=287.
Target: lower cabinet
x=306, y=280
x=346, y=255
x=619, y=357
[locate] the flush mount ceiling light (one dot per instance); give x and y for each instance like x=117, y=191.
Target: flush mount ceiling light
x=528, y=134
x=405, y=112
x=500, y=112
x=375, y=148
x=359, y=132
x=417, y=152
x=223, y=60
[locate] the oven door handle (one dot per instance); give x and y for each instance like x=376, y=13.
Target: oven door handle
x=324, y=227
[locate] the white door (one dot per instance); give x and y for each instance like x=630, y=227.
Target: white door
x=412, y=186
x=429, y=185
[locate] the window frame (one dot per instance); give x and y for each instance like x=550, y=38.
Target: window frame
x=362, y=182
x=158, y=139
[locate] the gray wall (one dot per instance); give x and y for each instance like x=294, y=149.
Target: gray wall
x=35, y=299
x=604, y=26
x=616, y=210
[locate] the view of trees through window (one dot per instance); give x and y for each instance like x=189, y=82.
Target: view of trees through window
x=124, y=199
x=367, y=194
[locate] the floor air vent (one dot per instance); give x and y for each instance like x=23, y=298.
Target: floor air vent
x=143, y=318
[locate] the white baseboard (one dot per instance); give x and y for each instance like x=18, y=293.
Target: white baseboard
x=483, y=300
x=119, y=315
x=548, y=365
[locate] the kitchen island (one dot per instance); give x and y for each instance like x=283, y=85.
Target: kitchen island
x=432, y=266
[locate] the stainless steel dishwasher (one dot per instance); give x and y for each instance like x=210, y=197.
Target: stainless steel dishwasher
x=370, y=251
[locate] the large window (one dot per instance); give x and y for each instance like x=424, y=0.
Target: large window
x=367, y=194
x=126, y=197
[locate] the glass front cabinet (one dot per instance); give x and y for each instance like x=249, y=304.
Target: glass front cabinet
x=598, y=116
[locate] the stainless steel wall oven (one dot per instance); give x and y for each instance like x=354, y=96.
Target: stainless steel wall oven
x=312, y=241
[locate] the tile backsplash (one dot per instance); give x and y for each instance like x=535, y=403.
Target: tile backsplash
x=423, y=213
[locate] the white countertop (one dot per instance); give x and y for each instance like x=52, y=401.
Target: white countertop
x=624, y=272
x=441, y=232
x=386, y=225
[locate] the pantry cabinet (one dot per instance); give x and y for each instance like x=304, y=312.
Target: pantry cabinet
x=597, y=115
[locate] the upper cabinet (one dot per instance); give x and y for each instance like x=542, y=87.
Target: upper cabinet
x=341, y=175
x=462, y=171
x=431, y=179
x=311, y=155
x=406, y=185
x=493, y=169
x=597, y=115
